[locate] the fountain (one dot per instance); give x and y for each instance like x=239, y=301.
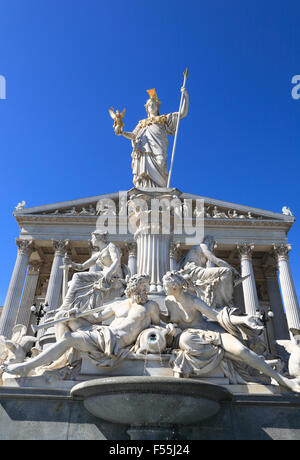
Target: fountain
x=150, y=406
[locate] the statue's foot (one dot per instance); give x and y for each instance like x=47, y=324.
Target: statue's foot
x=293, y=384
x=16, y=369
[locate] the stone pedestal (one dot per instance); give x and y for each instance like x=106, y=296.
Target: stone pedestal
x=13, y=296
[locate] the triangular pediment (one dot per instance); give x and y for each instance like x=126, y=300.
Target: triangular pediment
x=211, y=209
x=219, y=209
x=78, y=207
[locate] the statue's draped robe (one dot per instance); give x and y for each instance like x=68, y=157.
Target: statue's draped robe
x=201, y=350
x=80, y=289
x=213, y=285
x=149, y=155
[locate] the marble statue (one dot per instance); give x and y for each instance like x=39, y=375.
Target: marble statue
x=209, y=336
x=286, y=211
x=293, y=347
x=118, y=119
x=90, y=211
x=15, y=349
x=152, y=340
x=71, y=212
x=150, y=142
x=218, y=214
x=20, y=206
x=106, y=345
x=214, y=285
x=104, y=280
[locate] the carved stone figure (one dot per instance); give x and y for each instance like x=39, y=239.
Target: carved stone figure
x=15, y=350
x=286, y=211
x=71, y=212
x=205, y=344
x=105, y=345
x=118, y=119
x=103, y=282
x=294, y=349
x=20, y=206
x=152, y=340
x=90, y=211
x=213, y=285
x=233, y=214
x=150, y=142
x=218, y=214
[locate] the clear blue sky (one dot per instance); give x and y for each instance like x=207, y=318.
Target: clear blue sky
x=67, y=61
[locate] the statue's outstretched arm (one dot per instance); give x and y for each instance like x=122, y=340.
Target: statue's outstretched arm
x=185, y=103
x=215, y=260
x=128, y=135
x=87, y=264
x=105, y=314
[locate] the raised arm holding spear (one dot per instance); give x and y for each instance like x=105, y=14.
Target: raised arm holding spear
x=182, y=114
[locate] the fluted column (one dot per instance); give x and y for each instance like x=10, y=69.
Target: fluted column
x=24, y=313
x=153, y=253
x=279, y=321
x=174, y=250
x=56, y=275
x=249, y=287
x=288, y=290
x=14, y=292
x=132, y=258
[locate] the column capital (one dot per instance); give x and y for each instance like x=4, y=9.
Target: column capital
x=245, y=250
x=25, y=247
x=61, y=246
x=281, y=251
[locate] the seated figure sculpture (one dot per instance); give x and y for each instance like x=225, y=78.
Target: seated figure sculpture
x=105, y=345
x=214, y=285
x=209, y=336
x=104, y=268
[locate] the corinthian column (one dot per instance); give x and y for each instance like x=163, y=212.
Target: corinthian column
x=14, y=292
x=288, y=290
x=249, y=287
x=28, y=295
x=56, y=275
x=153, y=253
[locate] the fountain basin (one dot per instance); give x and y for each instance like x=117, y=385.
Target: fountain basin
x=150, y=401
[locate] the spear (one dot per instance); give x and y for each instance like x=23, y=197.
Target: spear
x=185, y=75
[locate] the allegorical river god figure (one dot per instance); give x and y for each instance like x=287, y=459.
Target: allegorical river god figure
x=105, y=345
x=150, y=142
x=209, y=336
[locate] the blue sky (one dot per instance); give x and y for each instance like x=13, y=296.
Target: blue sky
x=67, y=61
